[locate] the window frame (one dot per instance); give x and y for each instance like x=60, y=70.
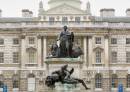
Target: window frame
x=128, y=81
x=114, y=81
x=113, y=41
x=51, y=20
x=16, y=57
x=15, y=41
x=78, y=20
x=114, y=56
x=1, y=57
x=127, y=40
x=1, y=41
x=98, y=56
x=64, y=20
x=31, y=40
x=98, y=81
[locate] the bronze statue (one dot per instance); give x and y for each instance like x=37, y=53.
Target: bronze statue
x=65, y=48
x=64, y=76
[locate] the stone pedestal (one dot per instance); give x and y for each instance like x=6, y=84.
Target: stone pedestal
x=56, y=64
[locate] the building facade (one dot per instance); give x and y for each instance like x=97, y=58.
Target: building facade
x=25, y=43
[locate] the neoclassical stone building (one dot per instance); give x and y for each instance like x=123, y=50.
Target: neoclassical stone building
x=25, y=42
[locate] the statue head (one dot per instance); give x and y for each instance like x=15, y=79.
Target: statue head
x=65, y=28
x=64, y=67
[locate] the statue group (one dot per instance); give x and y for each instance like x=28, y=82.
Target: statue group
x=64, y=46
x=64, y=76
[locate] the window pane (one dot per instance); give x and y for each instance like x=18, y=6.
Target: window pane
x=1, y=81
x=128, y=57
x=1, y=57
x=51, y=20
x=98, y=40
x=114, y=57
x=64, y=20
x=113, y=40
x=31, y=40
x=77, y=20
x=31, y=57
x=98, y=81
x=128, y=81
x=98, y=57
x=127, y=40
x=15, y=57
x=1, y=41
x=114, y=81
x=15, y=41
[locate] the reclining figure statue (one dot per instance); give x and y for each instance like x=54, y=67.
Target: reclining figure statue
x=64, y=76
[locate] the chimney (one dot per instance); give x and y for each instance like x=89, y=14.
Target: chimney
x=107, y=12
x=26, y=13
x=128, y=12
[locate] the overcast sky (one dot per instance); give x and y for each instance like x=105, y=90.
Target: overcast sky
x=12, y=8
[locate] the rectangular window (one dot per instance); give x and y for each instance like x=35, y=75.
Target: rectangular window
x=114, y=81
x=1, y=41
x=31, y=40
x=127, y=40
x=15, y=41
x=113, y=40
x=64, y=20
x=77, y=20
x=114, y=57
x=128, y=57
x=15, y=57
x=98, y=57
x=32, y=57
x=128, y=81
x=51, y=20
x=98, y=40
x=1, y=57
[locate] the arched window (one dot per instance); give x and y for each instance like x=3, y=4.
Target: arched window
x=15, y=80
x=114, y=81
x=128, y=81
x=98, y=81
x=98, y=56
x=31, y=82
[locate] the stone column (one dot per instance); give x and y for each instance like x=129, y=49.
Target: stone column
x=85, y=52
x=23, y=51
x=90, y=56
x=106, y=50
x=39, y=37
x=44, y=51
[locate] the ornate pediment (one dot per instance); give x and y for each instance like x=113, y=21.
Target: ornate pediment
x=98, y=48
x=65, y=9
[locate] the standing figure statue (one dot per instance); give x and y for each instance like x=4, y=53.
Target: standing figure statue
x=64, y=76
x=66, y=39
x=64, y=48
